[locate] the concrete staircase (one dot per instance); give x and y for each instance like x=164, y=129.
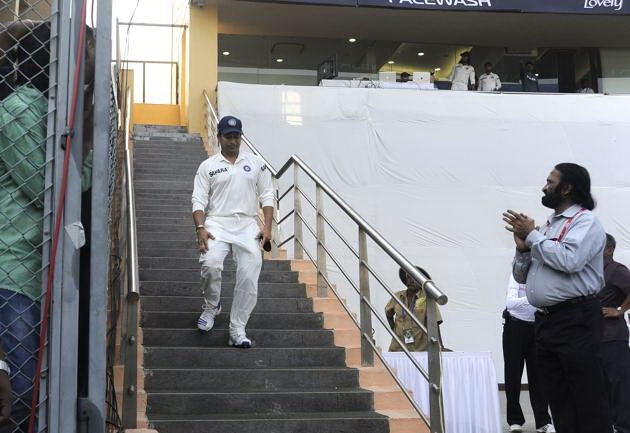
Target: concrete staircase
x=294, y=380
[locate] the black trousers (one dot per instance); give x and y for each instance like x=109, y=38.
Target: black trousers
x=568, y=345
x=616, y=362
x=519, y=349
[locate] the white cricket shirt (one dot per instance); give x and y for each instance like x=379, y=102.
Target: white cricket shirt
x=489, y=82
x=224, y=189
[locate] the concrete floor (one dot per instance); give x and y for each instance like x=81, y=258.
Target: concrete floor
x=529, y=426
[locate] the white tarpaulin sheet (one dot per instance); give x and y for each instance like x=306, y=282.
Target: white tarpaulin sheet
x=433, y=171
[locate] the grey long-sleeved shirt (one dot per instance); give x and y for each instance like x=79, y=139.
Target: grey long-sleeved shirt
x=555, y=271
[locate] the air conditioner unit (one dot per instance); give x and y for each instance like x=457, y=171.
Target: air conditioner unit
x=521, y=52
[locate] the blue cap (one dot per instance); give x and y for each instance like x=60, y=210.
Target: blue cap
x=230, y=125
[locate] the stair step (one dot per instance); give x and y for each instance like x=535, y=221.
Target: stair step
x=193, y=275
x=193, y=263
x=164, y=192
x=257, y=380
x=188, y=288
x=168, y=319
x=254, y=358
x=190, y=252
x=260, y=402
x=190, y=304
x=156, y=337
x=319, y=422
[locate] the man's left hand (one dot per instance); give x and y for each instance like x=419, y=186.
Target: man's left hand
x=519, y=223
x=611, y=313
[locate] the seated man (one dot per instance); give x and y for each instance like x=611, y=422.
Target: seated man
x=405, y=328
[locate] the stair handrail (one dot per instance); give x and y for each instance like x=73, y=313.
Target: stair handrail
x=129, y=337
x=368, y=348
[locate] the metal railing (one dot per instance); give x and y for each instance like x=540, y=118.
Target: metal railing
x=367, y=311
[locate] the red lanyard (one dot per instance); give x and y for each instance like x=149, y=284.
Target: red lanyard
x=565, y=228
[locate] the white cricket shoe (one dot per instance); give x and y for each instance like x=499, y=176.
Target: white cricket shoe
x=549, y=428
x=516, y=428
x=206, y=320
x=240, y=341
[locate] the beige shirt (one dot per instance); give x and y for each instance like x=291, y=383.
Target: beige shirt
x=404, y=324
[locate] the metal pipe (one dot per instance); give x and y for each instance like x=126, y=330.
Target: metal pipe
x=153, y=25
x=298, y=251
x=365, y=315
x=436, y=408
x=322, y=291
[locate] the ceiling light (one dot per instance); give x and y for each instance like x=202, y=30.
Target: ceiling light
x=279, y=60
x=536, y=74
x=226, y=53
x=391, y=62
x=421, y=54
x=437, y=69
x=352, y=40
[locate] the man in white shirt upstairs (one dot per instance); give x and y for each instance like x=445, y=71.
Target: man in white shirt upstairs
x=489, y=82
x=519, y=348
x=227, y=189
x=463, y=74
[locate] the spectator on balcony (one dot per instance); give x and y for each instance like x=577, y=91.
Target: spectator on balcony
x=585, y=86
x=529, y=79
x=405, y=328
x=463, y=74
x=489, y=81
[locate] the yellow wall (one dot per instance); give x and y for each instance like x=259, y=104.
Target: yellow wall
x=202, y=63
x=156, y=114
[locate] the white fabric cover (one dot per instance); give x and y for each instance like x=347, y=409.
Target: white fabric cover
x=433, y=171
x=469, y=383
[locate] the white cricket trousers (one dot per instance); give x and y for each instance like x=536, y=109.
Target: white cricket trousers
x=237, y=234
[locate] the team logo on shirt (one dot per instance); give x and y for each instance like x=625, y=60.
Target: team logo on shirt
x=217, y=171
x=247, y=168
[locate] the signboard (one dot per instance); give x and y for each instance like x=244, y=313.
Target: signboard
x=593, y=7
x=612, y=7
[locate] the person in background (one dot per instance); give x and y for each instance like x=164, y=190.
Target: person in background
x=585, y=86
x=399, y=321
x=489, y=81
x=5, y=389
x=615, y=299
x=463, y=74
x=529, y=79
x=405, y=77
x=562, y=263
x=519, y=349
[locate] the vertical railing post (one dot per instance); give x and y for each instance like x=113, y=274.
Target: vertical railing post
x=436, y=414
x=275, y=233
x=322, y=287
x=365, y=319
x=298, y=251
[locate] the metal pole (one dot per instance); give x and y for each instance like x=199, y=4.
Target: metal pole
x=144, y=83
x=275, y=233
x=298, y=251
x=322, y=273
x=66, y=287
x=436, y=414
x=99, y=256
x=367, y=355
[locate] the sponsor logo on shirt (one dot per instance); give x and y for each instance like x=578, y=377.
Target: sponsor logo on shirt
x=612, y=4
x=217, y=171
x=247, y=168
x=464, y=3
